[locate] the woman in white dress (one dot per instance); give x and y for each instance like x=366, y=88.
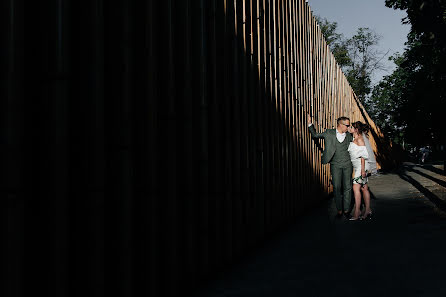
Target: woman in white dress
x=363, y=161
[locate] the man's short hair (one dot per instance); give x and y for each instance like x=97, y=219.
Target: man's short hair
x=342, y=119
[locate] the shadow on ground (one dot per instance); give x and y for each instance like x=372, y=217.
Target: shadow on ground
x=400, y=252
x=438, y=181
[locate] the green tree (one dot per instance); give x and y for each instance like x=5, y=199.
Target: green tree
x=416, y=90
x=365, y=59
x=335, y=40
x=357, y=56
x=387, y=102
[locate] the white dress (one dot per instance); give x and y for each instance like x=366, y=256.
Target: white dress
x=356, y=153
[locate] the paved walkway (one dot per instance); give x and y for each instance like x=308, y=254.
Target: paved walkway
x=400, y=252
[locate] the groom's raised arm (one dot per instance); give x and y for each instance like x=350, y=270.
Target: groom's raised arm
x=313, y=132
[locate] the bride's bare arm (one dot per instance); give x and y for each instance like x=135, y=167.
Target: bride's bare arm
x=363, y=168
x=362, y=143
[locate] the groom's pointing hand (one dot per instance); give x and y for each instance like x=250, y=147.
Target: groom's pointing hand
x=309, y=119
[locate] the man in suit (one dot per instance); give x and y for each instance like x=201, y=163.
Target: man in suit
x=336, y=153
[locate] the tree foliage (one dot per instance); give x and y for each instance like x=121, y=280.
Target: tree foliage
x=365, y=60
x=387, y=101
x=357, y=56
x=336, y=41
x=410, y=103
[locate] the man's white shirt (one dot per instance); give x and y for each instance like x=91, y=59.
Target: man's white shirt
x=340, y=136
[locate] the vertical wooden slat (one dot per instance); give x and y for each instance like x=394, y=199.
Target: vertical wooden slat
x=228, y=202
x=13, y=146
x=154, y=250
x=244, y=118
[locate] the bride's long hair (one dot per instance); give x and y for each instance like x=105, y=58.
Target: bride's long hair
x=362, y=128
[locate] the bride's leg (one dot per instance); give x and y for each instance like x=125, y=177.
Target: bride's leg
x=366, y=195
x=357, y=193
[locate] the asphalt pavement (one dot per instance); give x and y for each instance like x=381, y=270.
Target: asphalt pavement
x=401, y=251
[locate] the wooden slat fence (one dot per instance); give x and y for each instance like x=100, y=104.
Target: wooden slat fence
x=149, y=144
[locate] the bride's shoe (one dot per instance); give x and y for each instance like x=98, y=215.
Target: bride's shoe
x=355, y=219
x=367, y=216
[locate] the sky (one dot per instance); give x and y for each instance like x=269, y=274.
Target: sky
x=353, y=14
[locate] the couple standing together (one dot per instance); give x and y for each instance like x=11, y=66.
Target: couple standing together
x=352, y=159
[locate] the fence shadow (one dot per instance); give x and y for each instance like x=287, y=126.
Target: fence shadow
x=436, y=180
x=432, y=168
x=441, y=204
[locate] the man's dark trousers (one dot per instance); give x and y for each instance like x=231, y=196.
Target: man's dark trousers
x=341, y=177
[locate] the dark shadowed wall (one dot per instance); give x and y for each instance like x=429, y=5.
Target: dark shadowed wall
x=146, y=145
